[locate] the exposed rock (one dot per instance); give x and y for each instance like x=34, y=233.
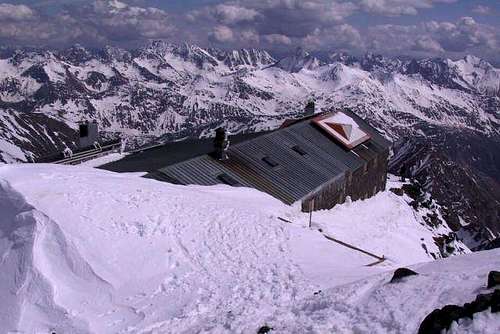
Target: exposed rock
x=401, y=273
x=493, y=244
x=441, y=319
x=264, y=329
x=493, y=279
x=482, y=302
x=397, y=191
x=495, y=303
x=442, y=167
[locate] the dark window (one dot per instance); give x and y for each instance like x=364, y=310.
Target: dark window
x=299, y=150
x=270, y=161
x=227, y=180
x=84, y=130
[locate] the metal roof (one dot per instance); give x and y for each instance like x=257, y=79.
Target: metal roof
x=296, y=175
x=150, y=159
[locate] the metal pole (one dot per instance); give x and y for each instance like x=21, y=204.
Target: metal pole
x=311, y=207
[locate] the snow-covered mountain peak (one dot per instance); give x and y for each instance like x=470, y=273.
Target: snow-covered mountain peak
x=343, y=58
x=300, y=60
x=471, y=59
x=479, y=74
x=244, y=57
x=77, y=54
x=378, y=63
x=209, y=58
x=341, y=75
x=112, y=53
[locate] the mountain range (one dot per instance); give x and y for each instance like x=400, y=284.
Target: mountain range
x=442, y=115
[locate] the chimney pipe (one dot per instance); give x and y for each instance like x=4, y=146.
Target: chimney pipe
x=310, y=108
x=88, y=134
x=221, y=144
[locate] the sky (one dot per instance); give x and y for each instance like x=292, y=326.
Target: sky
x=417, y=28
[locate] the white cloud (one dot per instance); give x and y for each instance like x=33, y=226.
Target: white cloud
x=231, y=14
x=223, y=34
x=97, y=23
x=250, y=36
x=398, y=7
x=277, y=39
x=342, y=36
x=436, y=38
x=482, y=10
x=427, y=43
x=15, y=12
x=274, y=24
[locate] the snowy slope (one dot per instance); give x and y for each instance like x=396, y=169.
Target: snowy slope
x=373, y=305
x=90, y=251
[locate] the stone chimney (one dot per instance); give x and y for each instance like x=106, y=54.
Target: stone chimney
x=221, y=144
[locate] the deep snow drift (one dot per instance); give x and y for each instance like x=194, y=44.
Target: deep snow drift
x=90, y=251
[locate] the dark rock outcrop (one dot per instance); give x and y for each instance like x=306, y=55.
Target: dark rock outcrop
x=493, y=244
x=264, y=329
x=441, y=319
x=398, y=191
x=401, y=273
x=493, y=279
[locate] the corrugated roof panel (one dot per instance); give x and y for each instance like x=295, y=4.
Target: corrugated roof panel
x=312, y=134
x=203, y=170
x=318, y=157
x=284, y=175
x=296, y=175
x=256, y=179
x=314, y=158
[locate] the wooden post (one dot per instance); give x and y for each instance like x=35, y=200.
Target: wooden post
x=311, y=207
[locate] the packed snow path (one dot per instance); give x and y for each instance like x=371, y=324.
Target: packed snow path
x=90, y=251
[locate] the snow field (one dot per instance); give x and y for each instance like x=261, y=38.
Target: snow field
x=373, y=305
x=118, y=253
x=91, y=251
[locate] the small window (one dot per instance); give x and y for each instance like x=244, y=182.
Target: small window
x=84, y=130
x=299, y=150
x=224, y=178
x=270, y=161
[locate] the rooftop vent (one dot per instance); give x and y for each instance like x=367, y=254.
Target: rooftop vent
x=224, y=178
x=270, y=161
x=299, y=150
